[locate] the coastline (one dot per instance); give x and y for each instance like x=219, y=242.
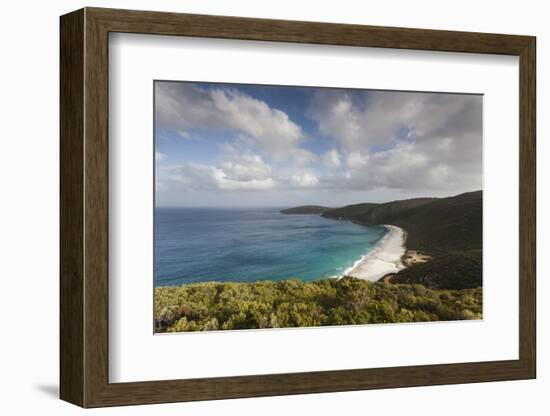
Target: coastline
x=385, y=259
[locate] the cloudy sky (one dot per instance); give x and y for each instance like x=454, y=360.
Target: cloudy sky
x=254, y=145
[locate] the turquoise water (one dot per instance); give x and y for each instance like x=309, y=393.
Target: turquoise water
x=246, y=245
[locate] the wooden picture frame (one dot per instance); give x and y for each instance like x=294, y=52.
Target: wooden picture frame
x=84, y=207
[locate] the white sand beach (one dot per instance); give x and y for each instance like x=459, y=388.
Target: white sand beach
x=384, y=259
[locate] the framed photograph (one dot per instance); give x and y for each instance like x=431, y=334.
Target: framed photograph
x=257, y=207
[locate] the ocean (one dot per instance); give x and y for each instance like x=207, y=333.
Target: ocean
x=251, y=244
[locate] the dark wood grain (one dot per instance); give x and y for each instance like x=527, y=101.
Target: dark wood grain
x=84, y=207
x=527, y=208
x=71, y=100
x=96, y=208
x=225, y=27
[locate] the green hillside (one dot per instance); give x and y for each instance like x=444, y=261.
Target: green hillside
x=306, y=209
x=447, y=229
x=433, y=225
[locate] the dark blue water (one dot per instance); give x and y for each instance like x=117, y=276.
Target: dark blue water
x=245, y=245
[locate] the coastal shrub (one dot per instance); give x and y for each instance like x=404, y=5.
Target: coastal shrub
x=293, y=303
x=452, y=270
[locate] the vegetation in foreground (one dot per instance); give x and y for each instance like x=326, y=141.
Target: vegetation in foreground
x=293, y=303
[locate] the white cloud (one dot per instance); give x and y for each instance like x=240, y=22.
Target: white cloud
x=206, y=177
x=159, y=156
x=252, y=185
x=337, y=116
x=184, y=134
x=184, y=106
x=247, y=168
x=246, y=172
x=356, y=160
x=360, y=120
x=304, y=180
x=331, y=159
x=405, y=167
x=402, y=140
x=391, y=142
x=303, y=157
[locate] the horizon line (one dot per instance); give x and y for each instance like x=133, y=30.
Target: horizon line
x=312, y=204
